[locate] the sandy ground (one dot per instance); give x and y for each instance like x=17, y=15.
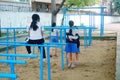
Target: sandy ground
x=97, y=62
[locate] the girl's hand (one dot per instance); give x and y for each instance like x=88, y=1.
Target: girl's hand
x=70, y=39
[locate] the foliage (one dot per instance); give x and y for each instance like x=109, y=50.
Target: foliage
x=81, y=3
x=116, y=6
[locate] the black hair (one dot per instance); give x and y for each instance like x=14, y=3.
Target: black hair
x=53, y=25
x=71, y=23
x=35, y=19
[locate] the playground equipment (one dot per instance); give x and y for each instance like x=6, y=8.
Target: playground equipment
x=88, y=11
x=12, y=75
x=84, y=28
x=41, y=57
x=14, y=43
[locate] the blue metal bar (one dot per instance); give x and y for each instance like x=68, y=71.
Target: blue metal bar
x=85, y=38
x=7, y=34
x=90, y=37
x=102, y=22
x=41, y=64
x=14, y=28
x=48, y=60
x=19, y=55
x=13, y=61
x=12, y=68
x=14, y=41
x=7, y=75
x=62, y=55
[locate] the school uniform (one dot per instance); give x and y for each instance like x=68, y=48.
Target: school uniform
x=35, y=37
x=54, y=36
x=71, y=46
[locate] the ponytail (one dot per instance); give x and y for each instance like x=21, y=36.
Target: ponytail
x=34, y=25
x=35, y=19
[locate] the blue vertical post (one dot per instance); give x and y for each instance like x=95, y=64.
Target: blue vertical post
x=85, y=38
x=14, y=41
x=62, y=55
x=7, y=39
x=48, y=60
x=41, y=63
x=90, y=30
x=90, y=36
x=12, y=67
x=101, y=21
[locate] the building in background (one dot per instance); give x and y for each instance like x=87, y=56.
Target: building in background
x=43, y=5
x=108, y=4
x=27, y=5
x=14, y=6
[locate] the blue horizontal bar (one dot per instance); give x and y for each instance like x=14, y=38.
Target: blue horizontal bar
x=67, y=27
x=14, y=28
x=19, y=55
x=25, y=44
x=87, y=14
x=7, y=75
x=13, y=61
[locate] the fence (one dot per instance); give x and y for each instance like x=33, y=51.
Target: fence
x=14, y=8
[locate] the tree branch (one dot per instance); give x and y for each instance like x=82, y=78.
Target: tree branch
x=62, y=3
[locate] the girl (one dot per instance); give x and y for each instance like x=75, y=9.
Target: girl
x=54, y=38
x=71, y=46
x=35, y=34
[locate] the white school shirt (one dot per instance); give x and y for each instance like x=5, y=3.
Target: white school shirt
x=34, y=35
x=74, y=31
x=54, y=33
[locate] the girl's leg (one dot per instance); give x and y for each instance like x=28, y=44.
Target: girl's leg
x=41, y=41
x=69, y=59
x=71, y=56
x=77, y=56
x=44, y=56
x=28, y=49
x=73, y=60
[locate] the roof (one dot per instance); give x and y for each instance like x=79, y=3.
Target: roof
x=46, y=1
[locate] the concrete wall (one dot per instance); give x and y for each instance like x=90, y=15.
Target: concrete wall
x=23, y=19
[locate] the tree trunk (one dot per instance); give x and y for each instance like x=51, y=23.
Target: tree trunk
x=53, y=11
x=54, y=17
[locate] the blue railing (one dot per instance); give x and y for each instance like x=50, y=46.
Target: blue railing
x=15, y=43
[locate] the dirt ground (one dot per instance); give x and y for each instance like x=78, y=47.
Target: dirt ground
x=97, y=62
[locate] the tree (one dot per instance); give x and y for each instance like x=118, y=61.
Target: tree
x=70, y=3
x=116, y=6
x=54, y=10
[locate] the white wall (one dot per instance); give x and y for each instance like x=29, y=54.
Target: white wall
x=23, y=19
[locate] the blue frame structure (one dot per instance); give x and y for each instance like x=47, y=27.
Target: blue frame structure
x=91, y=21
x=13, y=55
x=15, y=43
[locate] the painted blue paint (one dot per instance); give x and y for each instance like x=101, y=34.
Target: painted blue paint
x=7, y=75
x=48, y=61
x=47, y=45
x=91, y=16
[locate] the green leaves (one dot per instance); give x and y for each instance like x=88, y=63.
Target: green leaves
x=81, y=3
x=116, y=6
